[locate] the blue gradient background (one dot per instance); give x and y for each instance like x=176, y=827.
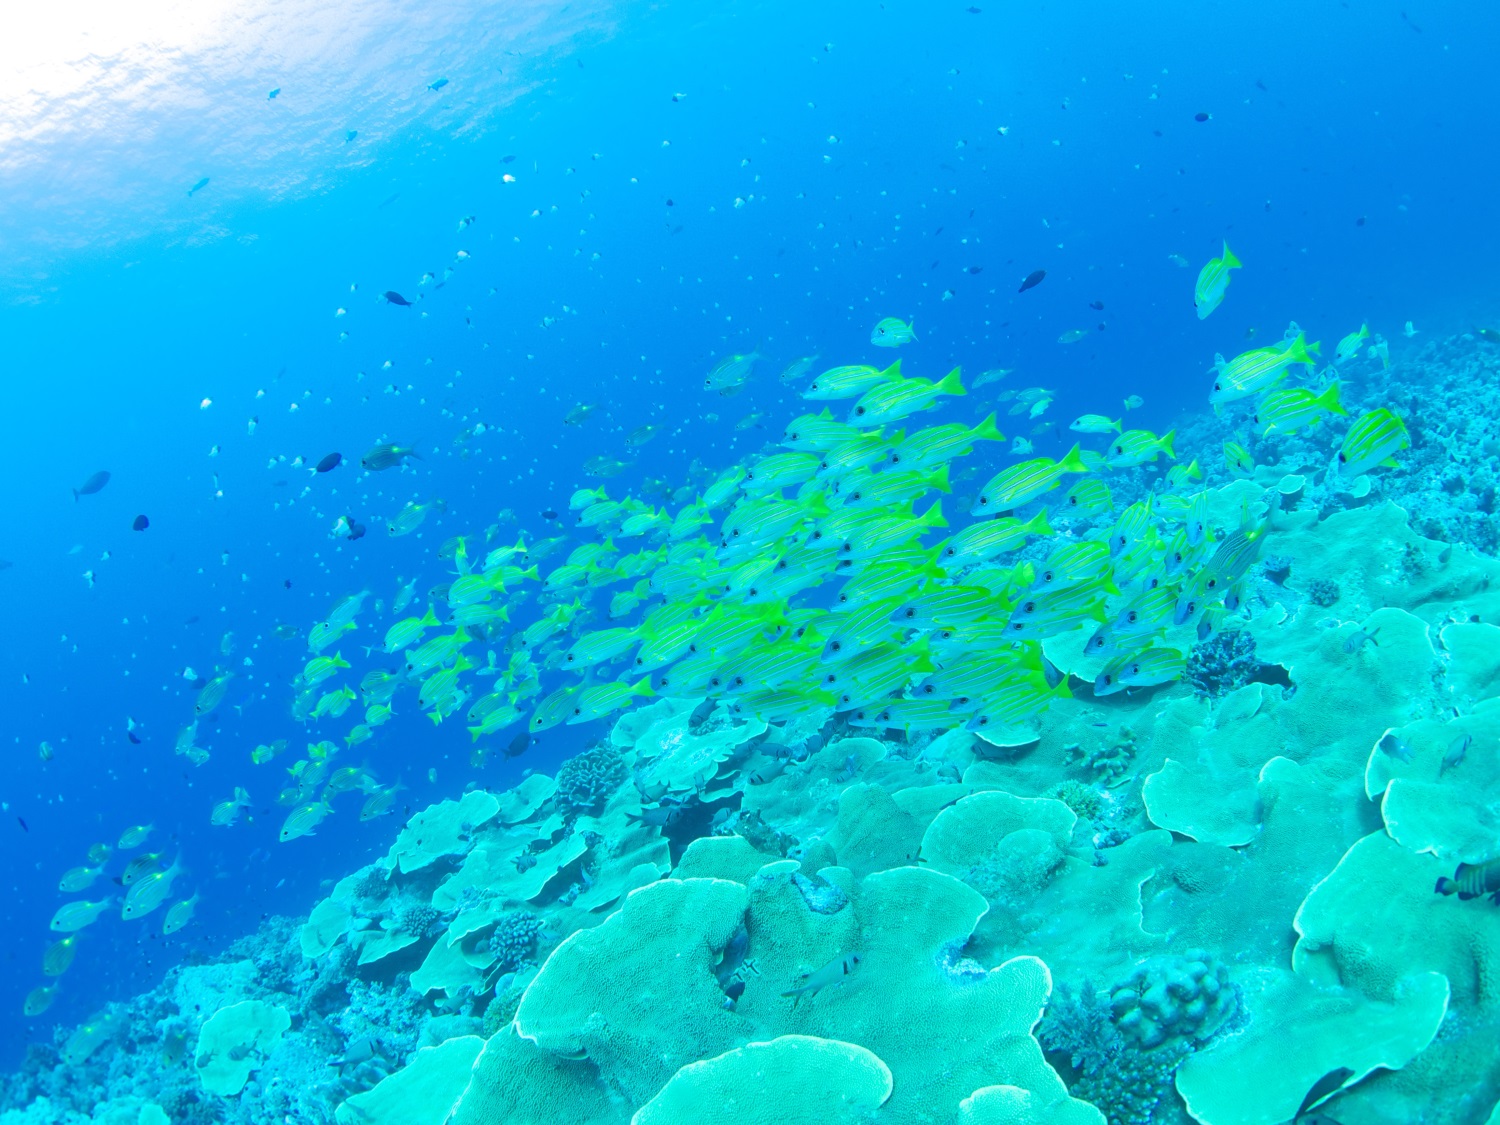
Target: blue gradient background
x=830, y=164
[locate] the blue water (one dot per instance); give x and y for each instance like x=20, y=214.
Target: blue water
x=687, y=183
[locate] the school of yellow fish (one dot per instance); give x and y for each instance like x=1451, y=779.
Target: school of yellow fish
x=803, y=585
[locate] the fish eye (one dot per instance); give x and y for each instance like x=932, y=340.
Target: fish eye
x=1046, y=576
x=983, y=500
x=895, y=458
x=910, y=613
x=835, y=646
x=753, y=591
x=1132, y=617
x=1029, y=607
x=1106, y=678
x=1218, y=387
x=859, y=410
x=1343, y=459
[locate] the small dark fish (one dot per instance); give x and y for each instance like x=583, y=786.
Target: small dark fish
x=735, y=990
x=549, y=513
x=331, y=462
x=1457, y=749
x=135, y=739
x=140, y=523
x=396, y=299
x=437, y=85
x=1393, y=747
x=356, y=530
x=976, y=269
x=1356, y=641
x=199, y=186
x=1200, y=117
x=1490, y=334
x=508, y=158
x=1261, y=86
x=1359, y=222
x=22, y=822
x=350, y=135
x=1317, y=1119
x=1097, y=306
x=1472, y=880
x=1332, y=1081
x=1409, y=24
x=517, y=745
x=663, y=816
x=1033, y=279
x=973, y=11
x=273, y=93
x=94, y=484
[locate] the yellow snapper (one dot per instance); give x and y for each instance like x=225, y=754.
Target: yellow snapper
x=302, y=820
x=1020, y=484
x=225, y=813
x=74, y=916
x=1213, y=282
x=79, y=878
x=150, y=891
x=59, y=956
x=135, y=837
x=179, y=916
x=892, y=332
x=1371, y=441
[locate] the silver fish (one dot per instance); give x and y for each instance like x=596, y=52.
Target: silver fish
x=832, y=973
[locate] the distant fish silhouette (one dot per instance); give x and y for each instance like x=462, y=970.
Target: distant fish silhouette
x=332, y=461
x=92, y=485
x=396, y=299
x=438, y=85
x=199, y=186
x=1033, y=279
x=140, y=523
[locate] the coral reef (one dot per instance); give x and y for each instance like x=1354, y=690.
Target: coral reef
x=1222, y=663
x=878, y=923
x=514, y=940
x=585, y=781
x=1323, y=591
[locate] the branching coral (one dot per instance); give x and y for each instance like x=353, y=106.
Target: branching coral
x=587, y=780
x=1124, y=1045
x=1222, y=663
x=514, y=941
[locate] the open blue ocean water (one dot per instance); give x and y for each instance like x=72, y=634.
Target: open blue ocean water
x=209, y=211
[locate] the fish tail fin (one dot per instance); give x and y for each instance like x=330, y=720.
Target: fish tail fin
x=1445, y=886
x=1119, y=426
x=893, y=371
x=987, y=431
x=1072, y=461
x=1329, y=399
x=933, y=516
x=952, y=384
x=642, y=687
x=939, y=479
x=1038, y=524
x=1298, y=351
x=1230, y=261
x=1164, y=443
x=634, y=818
